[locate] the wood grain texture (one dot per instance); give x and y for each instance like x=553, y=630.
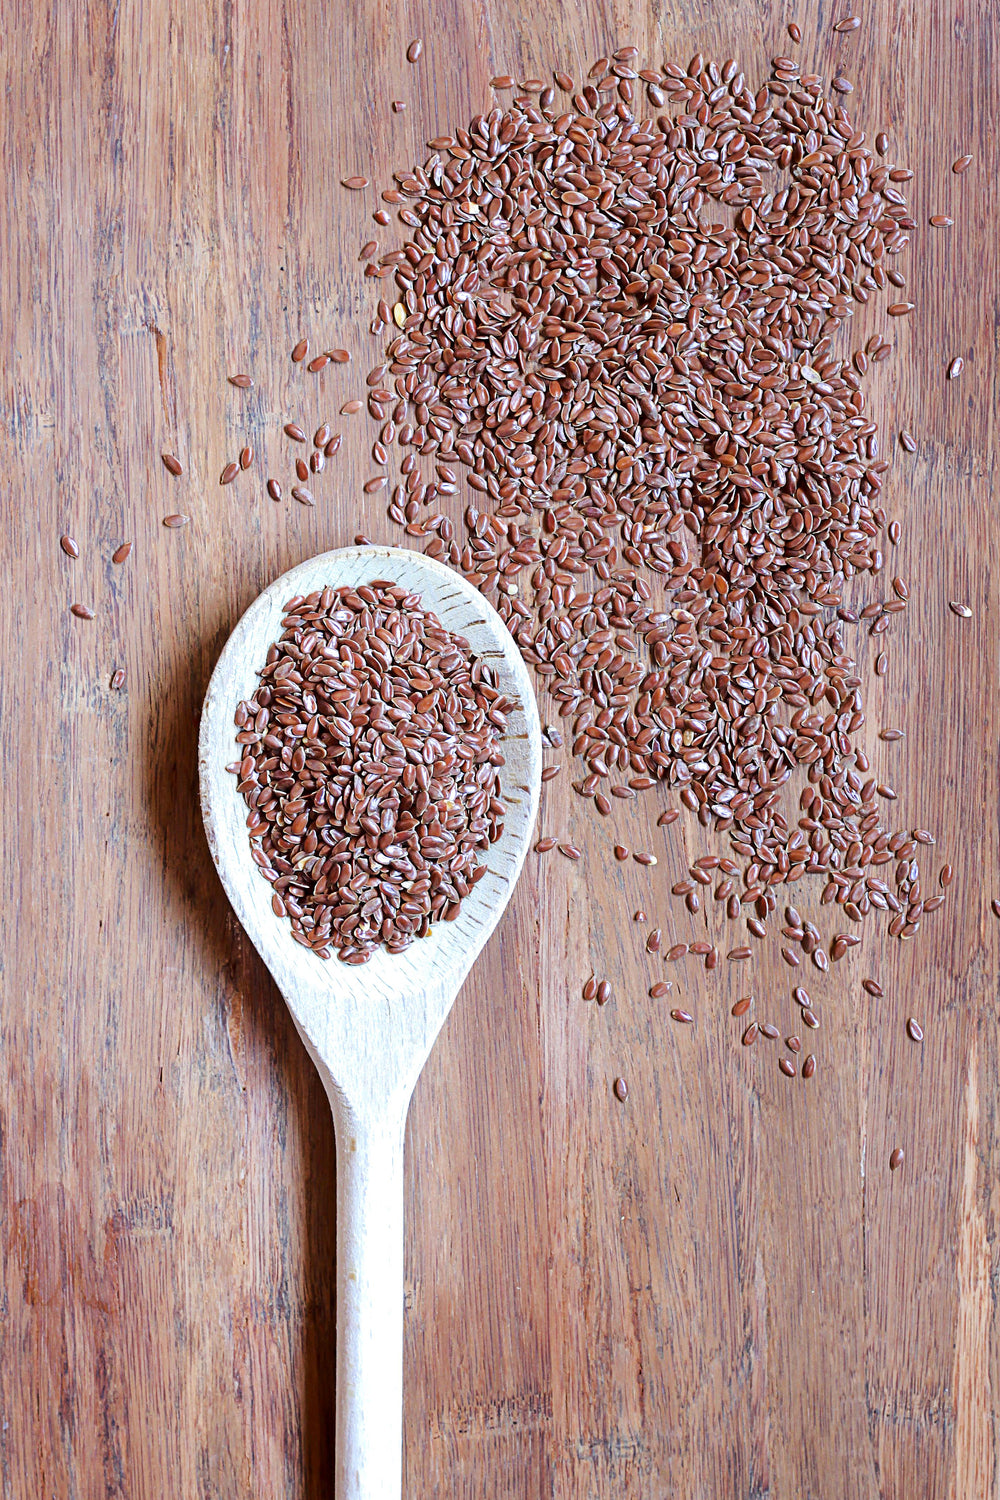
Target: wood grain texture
x=715, y=1289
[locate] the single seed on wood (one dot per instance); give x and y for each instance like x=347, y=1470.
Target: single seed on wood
x=621, y=851
x=946, y=876
x=350, y=407
x=172, y=464
x=621, y=1089
x=881, y=664
x=849, y=23
x=603, y=992
x=229, y=473
x=502, y=81
x=653, y=941
x=961, y=165
x=666, y=818
x=294, y=431
x=750, y=1035
x=398, y=105
x=786, y=1067
x=737, y=955
x=120, y=553
x=658, y=990
x=639, y=916
x=241, y=382
x=873, y=987
x=907, y=442
x=354, y=182
x=319, y=362
x=809, y=1066
x=900, y=309
x=644, y=859
x=895, y=1158
x=246, y=457
x=684, y=1016
x=302, y=495
x=175, y=521
x=544, y=845
x=82, y=611
x=914, y=1030
x=810, y=1019
x=962, y=610
x=995, y=907
x=590, y=989
x=549, y=772
x=300, y=351
x=742, y=1006
x=881, y=143
x=794, y=31
x=339, y=356
x=793, y=1044
x=333, y=446
x=842, y=85
x=117, y=678
x=69, y=546
x=570, y=851
x=274, y=489
x=414, y=50
x=941, y=221
x=768, y=1030
x=677, y=950
x=955, y=368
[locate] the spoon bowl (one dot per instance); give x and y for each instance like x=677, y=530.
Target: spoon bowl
x=369, y=1028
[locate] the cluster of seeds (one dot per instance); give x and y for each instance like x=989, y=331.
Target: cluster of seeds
x=371, y=769
x=625, y=331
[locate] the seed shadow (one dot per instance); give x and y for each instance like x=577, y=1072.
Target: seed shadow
x=268, y=1055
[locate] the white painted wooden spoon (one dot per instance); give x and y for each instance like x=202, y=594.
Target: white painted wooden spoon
x=369, y=1029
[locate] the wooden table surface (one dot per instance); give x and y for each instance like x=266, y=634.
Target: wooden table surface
x=716, y=1289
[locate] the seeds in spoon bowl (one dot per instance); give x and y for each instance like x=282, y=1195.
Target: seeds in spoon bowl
x=371, y=769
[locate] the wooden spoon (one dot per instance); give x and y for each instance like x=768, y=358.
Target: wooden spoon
x=369, y=1029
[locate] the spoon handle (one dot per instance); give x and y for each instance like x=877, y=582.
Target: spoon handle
x=369, y=1453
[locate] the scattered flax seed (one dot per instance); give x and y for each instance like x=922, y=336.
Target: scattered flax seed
x=653, y=941
x=742, y=1006
x=302, y=495
x=788, y=1068
x=319, y=363
x=241, y=382
x=900, y=309
x=621, y=851
x=354, y=182
x=881, y=664
x=117, y=679
x=891, y=735
x=896, y=1158
x=171, y=464
x=294, y=431
x=955, y=368
x=642, y=858
x=842, y=85
x=350, y=407
x=770, y=1032
x=544, y=845
x=274, y=489
x=810, y=1019
x=639, y=916
x=590, y=989
x=737, y=955
x=120, y=553
x=229, y=473
x=549, y=772
x=677, y=950
x=941, y=221
x=339, y=356
x=603, y=992
x=849, y=23
x=661, y=988
x=995, y=907
x=246, y=457
x=82, y=611
x=368, y=249
x=907, y=442
x=961, y=165
x=750, y=1034
x=946, y=876
x=881, y=143
x=684, y=1016
x=175, y=521
x=793, y=1044
x=69, y=546
x=333, y=446
x=300, y=351
x=914, y=1030
x=809, y=1066
x=895, y=530
x=794, y=31
x=502, y=81
x=570, y=851
x=398, y=105
x=621, y=1089
x=962, y=610
x=873, y=988
x=666, y=818
x=414, y=50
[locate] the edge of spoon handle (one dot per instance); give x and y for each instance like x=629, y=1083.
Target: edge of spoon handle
x=369, y=1451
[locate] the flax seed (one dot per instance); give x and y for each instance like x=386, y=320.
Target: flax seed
x=120, y=553
x=171, y=464
x=809, y=1066
x=241, y=382
x=621, y=1089
x=684, y=1016
x=300, y=351
x=414, y=50
x=895, y=1158
x=69, y=546
x=176, y=521
x=961, y=165
x=82, y=611
x=229, y=473
x=117, y=679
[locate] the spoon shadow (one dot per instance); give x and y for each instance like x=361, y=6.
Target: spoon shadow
x=267, y=1054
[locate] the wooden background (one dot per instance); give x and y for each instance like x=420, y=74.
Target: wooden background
x=713, y=1290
